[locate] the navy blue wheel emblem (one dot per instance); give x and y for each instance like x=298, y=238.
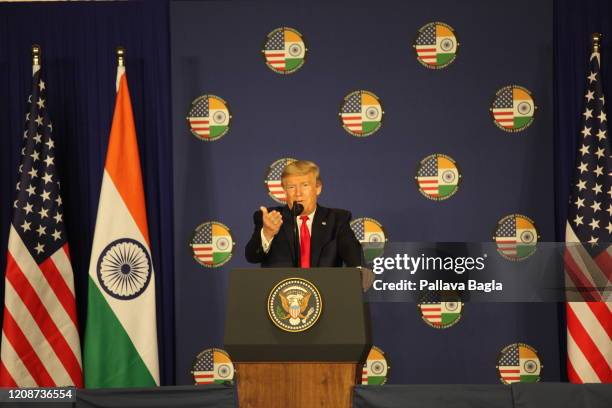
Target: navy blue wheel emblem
x=124, y=269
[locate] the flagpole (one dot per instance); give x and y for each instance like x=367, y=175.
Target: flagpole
x=35, y=58
x=120, y=65
x=595, y=39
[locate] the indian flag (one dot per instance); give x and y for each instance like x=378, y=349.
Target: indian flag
x=218, y=117
x=120, y=348
x=223, y=367
x=446, y=45
x=523, y=108
x=371, y=113
x=295, y=50
x=448, y=177
x=373, y=240
x=529, y=365
x=526, y=237
x=375, y=369
x=222, y=244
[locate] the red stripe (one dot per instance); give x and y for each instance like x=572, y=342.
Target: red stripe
x=603, y=314
x=350, y=117
x=433, y=309
x=198, y=122
x=503, y=113
x=572, y=375
x=583, y=285
x=587, y=346
x=24, y=350
x=44, y=320
x=275, y=54
x=430, y=316
x=604, y=261
x=428, y=181
x=425, y=49
x=510, y=371
x=511, y=378
x=505, y=241
x=6, y=379
x=60, y=288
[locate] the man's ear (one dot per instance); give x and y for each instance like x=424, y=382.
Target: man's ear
x=319, y=187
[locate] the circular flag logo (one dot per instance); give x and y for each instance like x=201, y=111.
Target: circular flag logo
x=516, y=237
x=208, y=118
x=375, y=370
x=370, y=235
x=438, y=177
x=213, y=366
x=436, y=45
x=273, y=180
x=513, y=108
x=294, y=305
x=124, y=269
x=284, y=50
x=518, y=362
x=361, y=113
x=212, y=244
x=441, y=311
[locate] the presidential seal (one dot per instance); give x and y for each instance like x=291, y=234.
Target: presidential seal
x=213, y=366
x=361, y=113
x=438, y=177
x=371, y=235
x=294, y=305
x=516, y=237
x=518, y=362
x=212, y=244
x=376, y=368
x=273, y=179
x=441, y=311
x=436, y=45
x=513, y=108
x=284, y=50
x=208, y=118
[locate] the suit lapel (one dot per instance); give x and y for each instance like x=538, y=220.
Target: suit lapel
x=288, y=225
x=318, y=233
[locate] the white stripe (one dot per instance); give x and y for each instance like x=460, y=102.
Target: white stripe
x=34, y=275
x=594, y=329
x=37, y=339
x=14, y=366
x=579, y=362
x=579, y=255
x=62, y=263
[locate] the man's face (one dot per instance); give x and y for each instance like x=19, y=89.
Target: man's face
x=302, y=189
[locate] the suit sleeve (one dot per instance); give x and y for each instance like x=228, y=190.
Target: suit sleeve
x=349, y=247
x=253, y=251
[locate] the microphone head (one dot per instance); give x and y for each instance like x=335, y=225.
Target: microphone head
x=297, y=209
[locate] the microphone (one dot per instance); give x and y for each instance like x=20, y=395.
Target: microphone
x=296, y=210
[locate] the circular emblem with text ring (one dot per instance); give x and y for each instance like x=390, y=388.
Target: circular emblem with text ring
x=294, y=305
x=124, y=269
x=213, y=366
x=375, y=371
x=436, y=45
x=516, y=237
x=438, y=177
x=273, y=180
x=513, y=108
x=361, y=113
x=371, y=235
x=212, y=244
x=208, y=118
x=441, y=310
x=519, y=362
x=284, y=50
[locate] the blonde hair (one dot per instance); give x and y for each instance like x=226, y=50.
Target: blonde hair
x=301, y=168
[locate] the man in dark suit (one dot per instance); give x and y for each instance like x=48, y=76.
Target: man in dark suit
x=325, y=237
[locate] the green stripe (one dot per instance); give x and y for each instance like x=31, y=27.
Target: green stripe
x=369, y=127
x=530, y=378
x=445, y=190
x=524, y=250
x=216, y=131
x=442, y=59
x=376, y=380
x=370, y=253
x=109, y=356
x=448, y=318
x=219, y=257
x=293, y=63
x=522, y=121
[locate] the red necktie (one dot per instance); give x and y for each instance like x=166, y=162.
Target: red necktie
x=304, y=243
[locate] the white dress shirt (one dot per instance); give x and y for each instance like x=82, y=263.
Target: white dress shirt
x=265, y=244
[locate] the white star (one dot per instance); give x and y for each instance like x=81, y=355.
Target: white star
x=603, y=99
x=586, y=131
x=47, y=177
x=593, y=240
x=26, y=226
x=58, y=200
x=18, y=187
x=58, y=217
x=39, y=120
x=33, y=172
x=15, y=203
x=583, y=167
x=38, y=138
x=588, y=114
x=45, y=195
x=23, y=151
x=601, y=134
x=581, y=185
x=598, y=171
x=597, y=189
x=49, y=160
x=30, y=98
x=594, y=224
x=50, y=126
x=590, y=95
x=584, y=149
x=599, y=153
x=39, y=248
x=578, y=220
x=40, y=103
x=31, y=190
x=596, y=206
x=609, y=210
x=579, y=202
x=50, y=144
x=25, y=134
x=43, y=213
x=28, y=114
x=609, y=227
x=56, y=235
x=592, y=77
x=41, y=85
x=35, y=155
x=27, y=208
x=602, y=116
x=21, y=168
x=41, y=230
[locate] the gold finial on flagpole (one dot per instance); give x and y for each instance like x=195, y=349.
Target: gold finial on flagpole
x=596, y=40
x=35, y=54
x=121, y=56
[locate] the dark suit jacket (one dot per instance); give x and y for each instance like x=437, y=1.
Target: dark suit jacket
x=332, y=241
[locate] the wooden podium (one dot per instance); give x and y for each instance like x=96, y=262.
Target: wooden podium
x=313, y=368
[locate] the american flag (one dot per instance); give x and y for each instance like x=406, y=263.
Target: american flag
x=588, y=266
x=426, y=45
x=351, y=113
x=203, y=368
x=432, y=312
x=427, y=177
x=199, y=122
x=273, y=180
x=202, y=244
x=274, y=50
x=40, y=341
x=358, y=228
x=505, y=237
x=509, y=365
x=503, y=108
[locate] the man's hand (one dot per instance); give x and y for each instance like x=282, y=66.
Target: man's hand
x=271, y=222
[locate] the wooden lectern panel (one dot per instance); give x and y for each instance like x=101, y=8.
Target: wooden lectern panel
x=296, y=384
